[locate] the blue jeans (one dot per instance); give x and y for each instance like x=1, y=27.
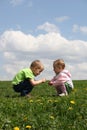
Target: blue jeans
x=23, y=87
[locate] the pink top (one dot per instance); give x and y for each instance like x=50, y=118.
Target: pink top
x=62, y=77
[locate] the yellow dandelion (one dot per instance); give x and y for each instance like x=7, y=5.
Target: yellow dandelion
x=70, y=108
x=52, y=117
x=16, y=128
x=72, y=102
x=50, y=100
x=31, y=101
x=28, y=127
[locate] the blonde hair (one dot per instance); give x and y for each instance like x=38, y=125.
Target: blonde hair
x=37, y=64
x=59, y=63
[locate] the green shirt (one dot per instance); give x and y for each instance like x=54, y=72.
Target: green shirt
x=22, y=75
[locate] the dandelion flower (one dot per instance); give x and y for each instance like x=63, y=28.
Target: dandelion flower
x=51, y=117
x=50, y=100
x=72, y=102
x=31, y=101
x=70, y=108
x=28, y=127
x=16, y=128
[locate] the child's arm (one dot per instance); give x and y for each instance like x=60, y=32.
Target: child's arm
x=58, y=80
x=36, y=82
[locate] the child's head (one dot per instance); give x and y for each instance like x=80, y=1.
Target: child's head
x=36, y=67
x=58, y=65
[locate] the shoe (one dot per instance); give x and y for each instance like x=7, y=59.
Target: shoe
x=63, y=94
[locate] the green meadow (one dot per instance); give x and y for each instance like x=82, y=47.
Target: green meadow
x=44, y=110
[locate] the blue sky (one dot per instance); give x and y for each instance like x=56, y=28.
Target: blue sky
x=45, y=30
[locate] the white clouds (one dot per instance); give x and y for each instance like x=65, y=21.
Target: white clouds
x=48, y=27
x=17, y=41
x=82, y=29
x=20, y=2
x=62, y=18
x=18, y=50
x=9, y=55
x=16, y=2
x=75, y=28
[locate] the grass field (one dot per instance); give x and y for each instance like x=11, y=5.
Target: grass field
x=43, y=111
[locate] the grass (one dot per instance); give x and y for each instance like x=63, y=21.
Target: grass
x=43, y=111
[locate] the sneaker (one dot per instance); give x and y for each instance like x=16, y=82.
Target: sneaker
x=62, y=94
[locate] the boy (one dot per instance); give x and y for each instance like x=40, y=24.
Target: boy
x=62, y=81
x=24, y=80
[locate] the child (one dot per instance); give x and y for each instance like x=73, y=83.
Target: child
x=62, y=81
x=24, y=80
